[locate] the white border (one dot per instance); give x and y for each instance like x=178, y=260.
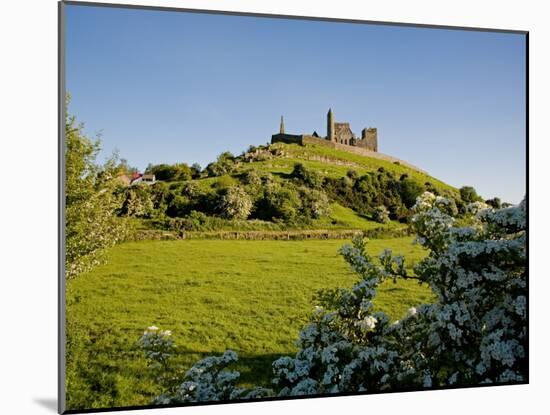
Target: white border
x=28, y=208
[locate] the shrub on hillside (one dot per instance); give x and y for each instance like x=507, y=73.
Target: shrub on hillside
x=191, y=190
x=315, y=203
x=469, y=195
x=307, y=177
x=189, y=197
x=495, y=203
x=381, y=214
x=224, y=164
x=279, y=203
x=179, y=206
x=196, y=171
x=170, y=172
x=366, y=192
x=409, y=190
x=234, y=203
x=252, y=178
x=161, y=196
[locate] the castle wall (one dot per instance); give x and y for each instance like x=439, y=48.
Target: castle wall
x=286, y=138
x=369, y=139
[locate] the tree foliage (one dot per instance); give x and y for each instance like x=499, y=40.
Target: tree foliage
x=365, y=194
x=381, y=214
x=469, y=195
x=235, y=203
x=307, y=177
x=91, y=225
x=224, y=164
x=171, y=172
x=138, y=201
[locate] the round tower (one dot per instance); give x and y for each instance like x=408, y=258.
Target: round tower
x=330, y=125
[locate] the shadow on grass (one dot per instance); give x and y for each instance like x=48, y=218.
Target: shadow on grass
x=255, y=369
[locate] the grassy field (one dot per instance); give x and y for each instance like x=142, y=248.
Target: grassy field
x=249, y=296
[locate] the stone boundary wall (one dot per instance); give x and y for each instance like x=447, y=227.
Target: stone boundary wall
x=290, y=235
x=287, y=139
x=308, y=139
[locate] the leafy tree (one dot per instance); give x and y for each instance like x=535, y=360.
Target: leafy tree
x=315, y=203
x=196, y=170
x=138, y=202
x=90, y=202
x=495, y=202
x=308, y=177
x=252, y=178
x=409, y=190
x=171, y=172
x=179, y=206
x=280, y=203
x=161, y=196
x=235, y=203
x=224, y=164
x=469, y=195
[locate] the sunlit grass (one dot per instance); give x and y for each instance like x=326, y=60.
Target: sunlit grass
x=249, y=296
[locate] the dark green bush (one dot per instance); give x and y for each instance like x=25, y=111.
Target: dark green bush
x=170, y=172
x=307, y=177
x=280, y=203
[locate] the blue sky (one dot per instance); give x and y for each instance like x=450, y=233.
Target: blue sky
x=166, y=87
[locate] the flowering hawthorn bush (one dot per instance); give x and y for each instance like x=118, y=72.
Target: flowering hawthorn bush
x=90, y=202
x=474, y=333
x=207, y=380
x=381, y=214
x=157, y=345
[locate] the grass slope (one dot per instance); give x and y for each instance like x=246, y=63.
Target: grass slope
x=367, y=163
x=249, y=296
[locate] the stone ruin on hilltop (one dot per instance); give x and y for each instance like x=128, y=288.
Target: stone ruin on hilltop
x=339, y=135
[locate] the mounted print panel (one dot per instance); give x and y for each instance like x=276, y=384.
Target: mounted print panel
x=266, y=207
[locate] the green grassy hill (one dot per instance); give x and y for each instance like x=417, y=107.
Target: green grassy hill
x=276, y=163
x=329, y=162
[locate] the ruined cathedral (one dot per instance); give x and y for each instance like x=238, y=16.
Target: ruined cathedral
x=339, y=135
